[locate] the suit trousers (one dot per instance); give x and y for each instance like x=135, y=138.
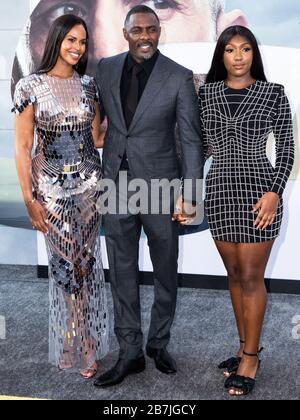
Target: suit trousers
x=123, y=232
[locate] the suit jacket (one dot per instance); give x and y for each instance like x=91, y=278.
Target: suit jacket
x=169, y=99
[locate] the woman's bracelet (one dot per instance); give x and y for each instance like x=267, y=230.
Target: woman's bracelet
x=29, y=202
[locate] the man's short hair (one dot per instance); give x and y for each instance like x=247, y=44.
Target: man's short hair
x=140, y=9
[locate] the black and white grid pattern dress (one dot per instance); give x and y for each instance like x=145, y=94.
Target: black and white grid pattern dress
x=236, y=126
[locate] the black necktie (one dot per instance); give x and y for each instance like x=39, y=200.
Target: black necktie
x=133, y=92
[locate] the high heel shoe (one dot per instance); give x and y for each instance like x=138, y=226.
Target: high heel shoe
x=230, y=365
x=243, y=384
x=89, y=372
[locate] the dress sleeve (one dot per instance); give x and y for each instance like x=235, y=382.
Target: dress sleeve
x=284, y=143
x=98, y=84
x=98, y=99
x=95, y=90
x=206, y=149
x=23, y=96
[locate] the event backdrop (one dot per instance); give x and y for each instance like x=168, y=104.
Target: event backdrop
x=190, y=29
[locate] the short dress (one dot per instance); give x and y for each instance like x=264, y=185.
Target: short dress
x=236, y=125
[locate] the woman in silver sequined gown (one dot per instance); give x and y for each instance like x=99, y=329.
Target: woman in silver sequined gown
x=58, y=107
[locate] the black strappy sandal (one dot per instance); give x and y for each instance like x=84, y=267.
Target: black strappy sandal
x=243, y=383
x=231, y=365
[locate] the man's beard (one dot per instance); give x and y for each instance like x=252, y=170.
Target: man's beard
x=149, y=56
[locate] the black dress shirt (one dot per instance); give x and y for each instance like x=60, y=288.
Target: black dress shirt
x=143, y=77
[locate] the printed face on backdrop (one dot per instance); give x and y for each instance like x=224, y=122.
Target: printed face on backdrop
x=181, y=21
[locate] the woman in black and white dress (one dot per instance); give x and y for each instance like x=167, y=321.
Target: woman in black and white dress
x=239, y=109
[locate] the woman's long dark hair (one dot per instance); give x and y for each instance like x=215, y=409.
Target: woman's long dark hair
x=58, y=31
x=218, y=70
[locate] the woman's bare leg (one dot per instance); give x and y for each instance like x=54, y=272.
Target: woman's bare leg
x=252, y=261
x=229, y=255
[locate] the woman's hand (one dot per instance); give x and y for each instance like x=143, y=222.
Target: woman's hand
x=185, y=213
x=266, y=209
x=38, y=216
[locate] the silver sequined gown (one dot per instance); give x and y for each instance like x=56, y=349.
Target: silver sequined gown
x=66, y=170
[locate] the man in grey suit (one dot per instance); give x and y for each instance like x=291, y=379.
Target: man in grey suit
x=144, y=95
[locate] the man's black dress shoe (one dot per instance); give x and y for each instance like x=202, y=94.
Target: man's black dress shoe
x=119, y=372
x=163, y=360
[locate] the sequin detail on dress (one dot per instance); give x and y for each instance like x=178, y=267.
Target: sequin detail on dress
x=66, y=170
